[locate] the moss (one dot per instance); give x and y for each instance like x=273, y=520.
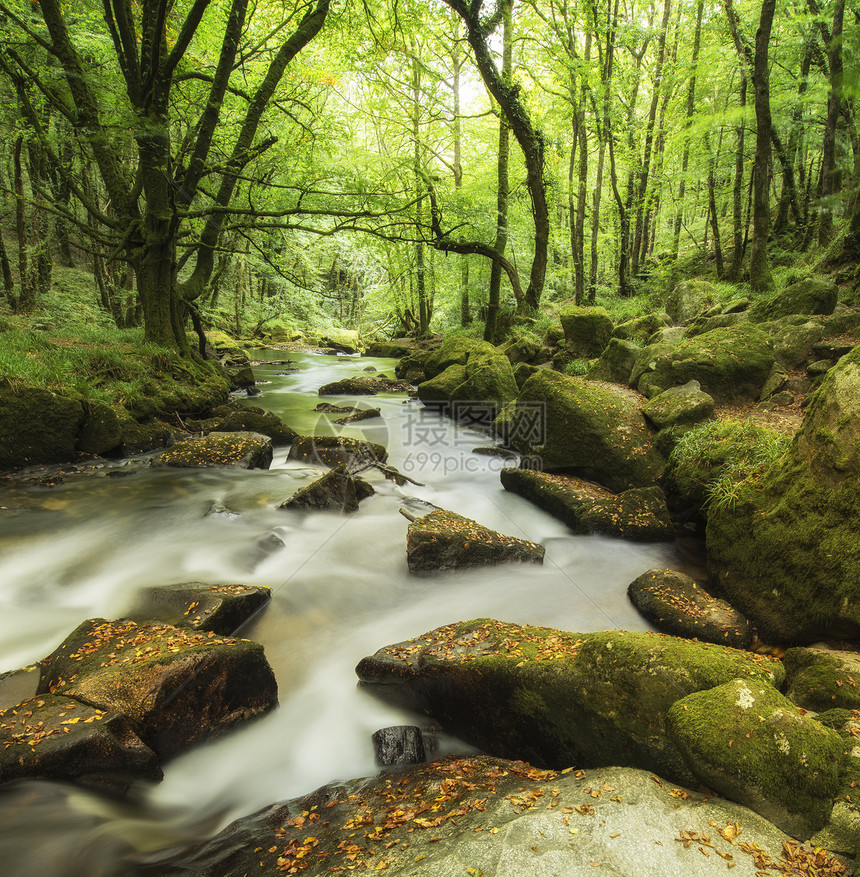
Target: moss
x=586, y=329
x=820, y=679
x=455, y=350
x=440, y=388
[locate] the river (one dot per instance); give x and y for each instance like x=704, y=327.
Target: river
x=340, y=590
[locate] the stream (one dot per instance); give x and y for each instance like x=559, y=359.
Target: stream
x=340, y=590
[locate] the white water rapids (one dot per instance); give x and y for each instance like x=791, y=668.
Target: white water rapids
x=340, y=590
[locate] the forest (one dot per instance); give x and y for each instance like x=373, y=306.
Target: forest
x=416, y=167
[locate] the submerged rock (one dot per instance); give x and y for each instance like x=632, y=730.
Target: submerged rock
x=639, y=514
x=61, y=738
x=331, y=451
x=252, y=419
x=557, y=698
x=498, y=818
x=336, y=491
x=229, y=450
x=674, y=603
x=444, y=540
x=176, y=686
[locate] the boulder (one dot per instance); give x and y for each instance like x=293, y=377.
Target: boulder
x=640, y=328
x=219, y=608
x=522, y=372
x=364, y=386
x=227, y=450
x=639, y=514
x=520, y=349
x=674, y=603
x=437, y=391
x=706, y=323
x=794, y=339
x=557, y=698
x=395, y=349
x=253, y=419
x=615, y=363
x=821, y=679
x=689, y=299
x=749, y=743
x=399, y=744
x=685, y=405
x=489, y=381
x=54, y=737
x=496, y=818
x=37, y=426
x=411, y=367
x=336, y=491
x=787, y=554
x=443, y=540
x=176, y=686
x=586, y=429
x=816, y=295
x=138, y=438
x=328, y=450
x=101, y=431
x=587, y=330
x=455, y=350
x=729, y=364
x=358, y=415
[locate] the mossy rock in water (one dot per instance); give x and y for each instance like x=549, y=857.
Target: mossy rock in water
x=395, y=349
x=101, y=431
x=689, y=299
x=674, y=603
x=821, y=679
x=222, y=609
x=787, y=553
x=329, y=450
x=728, y=363
x=585, y=429
x=138, y=438
x=748, y=742
x=555, y=698
x=639, y=514
x=587, y=330
x=443, y=540
x=686, y=405
x=257, y=420
x=455, y=350
x=336, y=491
x=37, y=426
x=816, y=295
x=364, y=386
x=489, y=384
x=236, y=450
x=177, y=686
x=640, y=328
x=616, y=362
x=437, y=391
x=52, y=737
x=411, y=367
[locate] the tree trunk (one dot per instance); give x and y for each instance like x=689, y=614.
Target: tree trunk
x=761, y=279
x=26, y=298
x=457, y=66
x=712, y=210
x=829, y=172
x=420, y=278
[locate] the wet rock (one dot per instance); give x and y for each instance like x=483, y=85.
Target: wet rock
x=399, y=744
x=333, y=450
x=748, y=742
x=820, y=678
x=689, y=299
x=252, y=419
x=364, y=386
x=219, y=608
x=138, y=438
x=686, y=404
x=411, y=367
x=339, y=347
x=639, y=514
x=176, y=686
x=674, y=603
x=60, y=738
x=336, y=491
x=359, y=415
x=219, y=510
x=236, y=450
x=328, y=408
x=815, y=295
x=587, y=330
x=557, y=698
x=443, y=540
x=585, y=429
x=499, y=819
x=615, y=363
x=101, y=431
x=240, y=377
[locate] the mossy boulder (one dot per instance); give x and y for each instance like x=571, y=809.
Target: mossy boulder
x=176, y=686
x=222, y=609
x=138, y=438
x=674, y=603
x=231, y=450
x=821, y=679
x=520, y=349
x=489, y=379
x=689, y=299
x=686, y=404
x=395, y=349
x=53, y=737
x=411, y=367
x=252, y=419
x=616, y=362
x=707, y=323
x=443, y=540
x=585, y=429
x=587, y=330
x=438, y=390
x=748, y=742
x=816, y=295
x=640, y=328
x=336, y=491
x=639, y=514
x=364, y=386
x=101, y=431
x=556, y=698
x=729, y=364
x=522, y=372
x=37, y=426
x=454, y=350
x=794, y=339
x=787, y=553
x=331, y=451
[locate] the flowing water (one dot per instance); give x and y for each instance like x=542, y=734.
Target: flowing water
x=340, y=590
